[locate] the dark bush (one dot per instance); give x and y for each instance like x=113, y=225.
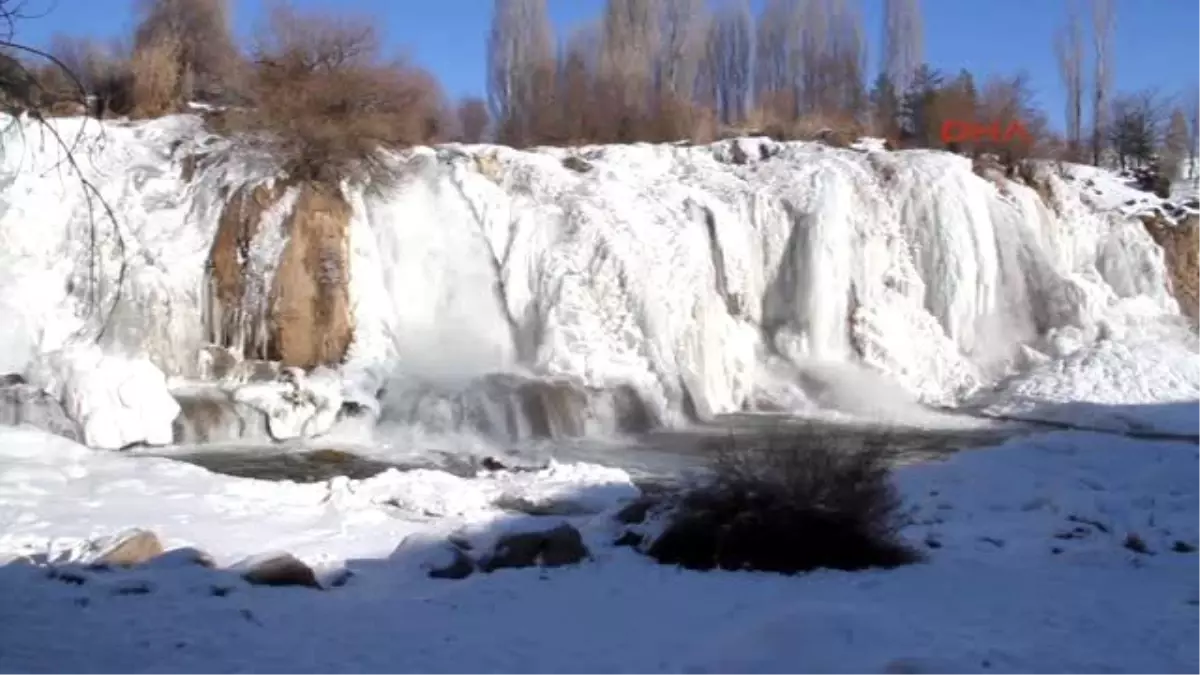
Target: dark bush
x=785, y=507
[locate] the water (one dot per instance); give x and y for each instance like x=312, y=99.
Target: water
x=664, y=455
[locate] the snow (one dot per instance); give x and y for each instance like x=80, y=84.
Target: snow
x=1029, y=573
x=300, y=406
x=117, y=400
x=1087, y=386
x=703, y=277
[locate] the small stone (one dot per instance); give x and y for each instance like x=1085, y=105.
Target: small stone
x=11, y=379
x=130, y=548
x=492, y=464
x=629, y=538
x=283, y=569
x=577, y=164
x=1181, y=546
x=1135, y=543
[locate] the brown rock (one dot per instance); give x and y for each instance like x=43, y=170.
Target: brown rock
x=311, y=318
x=560, y=546
x=130, y=548
x=228, y=276
x=1181, y=247
x=281, y=570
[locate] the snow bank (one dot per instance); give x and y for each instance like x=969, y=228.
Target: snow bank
x=1027, y=571
x=700, y=277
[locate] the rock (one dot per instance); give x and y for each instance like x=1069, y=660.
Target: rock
x=216, y=362
x=183, y=557
x=629, y=538
x=11, y=379
x=460, y=566
x=560, y=546
x=635, y=512
x=492, y=464
x=130, y=548
x=282, y=569
x=26, y=404
x=577, y=164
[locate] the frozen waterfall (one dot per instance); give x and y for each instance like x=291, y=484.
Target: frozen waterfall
x=516, y=293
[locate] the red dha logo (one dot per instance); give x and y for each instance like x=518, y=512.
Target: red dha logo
x=965, y=131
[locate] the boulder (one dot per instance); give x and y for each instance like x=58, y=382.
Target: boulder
x=557, y=547
x=281, y=569
x=127, y=549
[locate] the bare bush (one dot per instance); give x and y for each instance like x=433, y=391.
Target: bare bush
x=154, y=76
x=786, y=507
x=323, y=102
x=472, y=119
x=207, y=60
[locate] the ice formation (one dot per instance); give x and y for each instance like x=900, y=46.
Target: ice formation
x=706, y=279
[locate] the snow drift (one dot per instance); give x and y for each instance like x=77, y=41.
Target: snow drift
x=704, y=279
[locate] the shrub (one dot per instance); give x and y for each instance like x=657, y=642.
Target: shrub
x=154, y=77
x=787, y=507
x=323, y=104
x=206, y=60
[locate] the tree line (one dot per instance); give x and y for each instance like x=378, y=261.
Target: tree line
x=644, y=70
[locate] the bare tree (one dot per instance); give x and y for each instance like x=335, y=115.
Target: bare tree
x=775, y=43
x=730, y=50
x=1068, y=47
x=1193, y=132
x=1103, y=24
x=845, y=61
x=521, y=65
x=1175, y=144
x=576, y=85
x=902, y=43
x=683, y=25
x=472, y=119
x=808, y=61
x=207, y=57
x=631, y=39
x=1136, y=125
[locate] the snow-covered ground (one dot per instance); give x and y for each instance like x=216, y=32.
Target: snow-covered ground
x=1027, y=570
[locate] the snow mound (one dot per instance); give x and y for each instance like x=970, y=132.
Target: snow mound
x=1083, y=387
x=117, y=400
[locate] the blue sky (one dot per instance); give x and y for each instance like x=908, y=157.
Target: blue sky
x=1157, y=41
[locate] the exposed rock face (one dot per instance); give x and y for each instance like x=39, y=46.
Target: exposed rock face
x=25, y=404
x=279, y=272
x=1181, y=243
x=310, y=316
x=213, y=417
x=237, y=300
x=515, y=407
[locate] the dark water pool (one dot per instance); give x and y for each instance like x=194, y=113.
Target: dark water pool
x=661, y=455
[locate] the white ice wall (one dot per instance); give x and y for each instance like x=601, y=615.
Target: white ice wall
x=704, y=276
